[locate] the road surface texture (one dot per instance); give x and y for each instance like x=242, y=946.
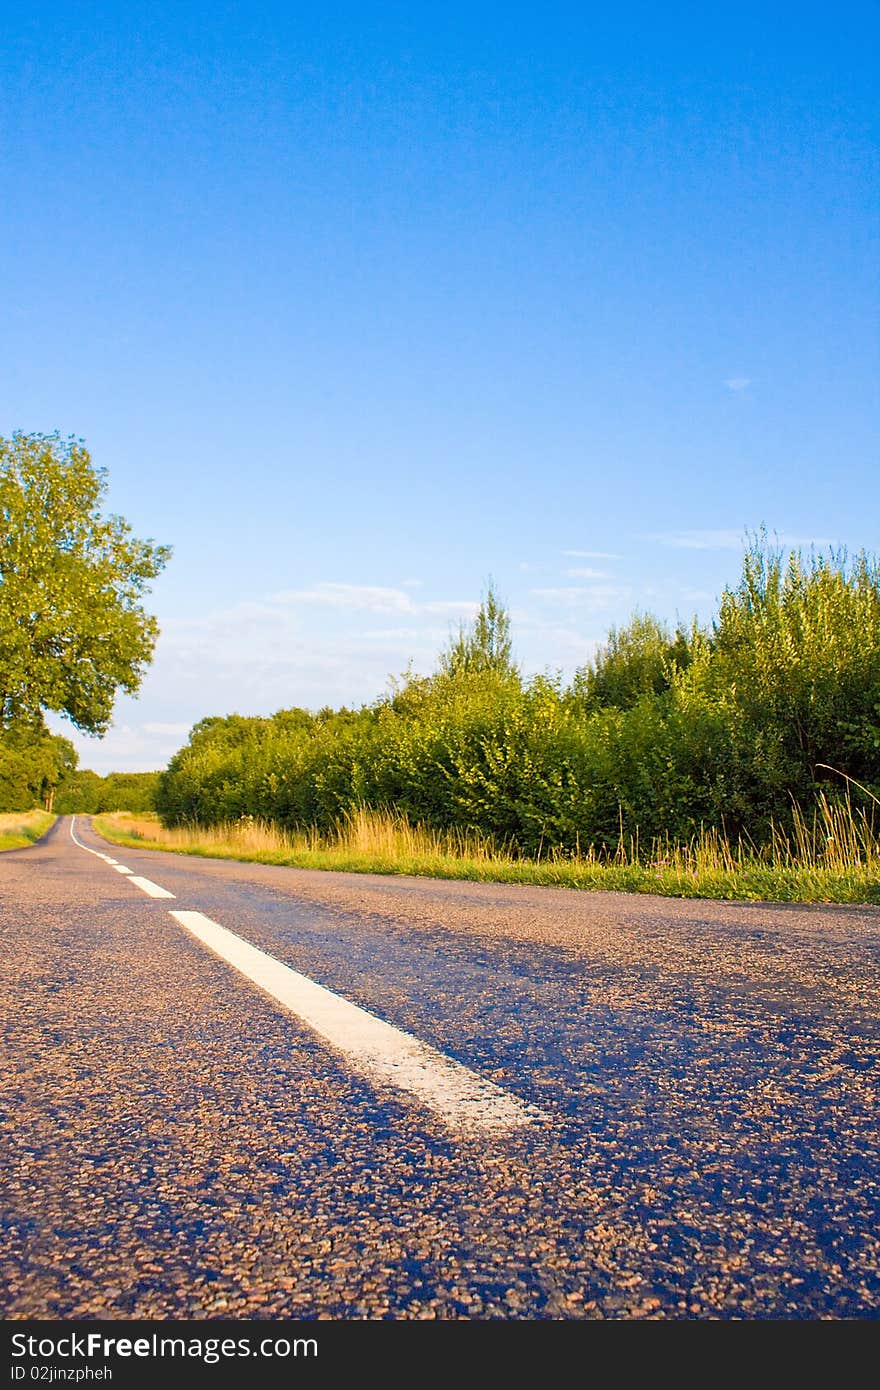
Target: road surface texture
x=696, y=1087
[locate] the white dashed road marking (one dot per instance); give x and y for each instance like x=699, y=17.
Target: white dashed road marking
x=151, y=889
x=146, y=885
x=383, y=1053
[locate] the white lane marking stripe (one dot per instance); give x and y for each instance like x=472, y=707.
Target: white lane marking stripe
x=96, y=852
x=383, y=1053
x=151, y=889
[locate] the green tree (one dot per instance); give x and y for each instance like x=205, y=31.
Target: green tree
x=33, y=764
x=485, y=645
x=80, y=793
x=73, y=630
x=636, y=660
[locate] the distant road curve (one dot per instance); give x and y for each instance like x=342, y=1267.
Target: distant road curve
x=241, y=1090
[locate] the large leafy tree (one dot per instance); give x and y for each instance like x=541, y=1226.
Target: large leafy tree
x=73, y=629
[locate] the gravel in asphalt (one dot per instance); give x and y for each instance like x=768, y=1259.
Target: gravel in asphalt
x=174, y=1144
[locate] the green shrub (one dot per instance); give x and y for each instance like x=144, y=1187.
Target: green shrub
x=660, y=735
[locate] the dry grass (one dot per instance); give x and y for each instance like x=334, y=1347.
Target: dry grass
x=20, y=828
x=834, y=856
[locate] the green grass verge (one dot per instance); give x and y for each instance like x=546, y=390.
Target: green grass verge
x=18, y=829
x=750, y=882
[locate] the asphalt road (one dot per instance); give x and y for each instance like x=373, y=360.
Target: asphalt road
x=702, y=1131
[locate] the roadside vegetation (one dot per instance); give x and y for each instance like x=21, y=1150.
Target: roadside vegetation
x=833, y=858
x=85, y=792
x=21, y=828
x=739, y=759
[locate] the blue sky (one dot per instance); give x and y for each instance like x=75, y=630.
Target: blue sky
x=362, y=304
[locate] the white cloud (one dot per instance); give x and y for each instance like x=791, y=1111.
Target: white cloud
x=424, y=636
x=357, y=597
x=724, y=539
x=369, y=598
x=581, y=572
x=703, y=540
x=738, y=383
x=596, y=597
x=255, y=657
x=126, y=747
x=591, y=554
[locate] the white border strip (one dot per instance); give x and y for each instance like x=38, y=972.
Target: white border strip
x=96, y=852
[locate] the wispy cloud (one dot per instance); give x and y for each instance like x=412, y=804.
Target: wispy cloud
x=422, y=641
x=591, y=555
x=738, y=383
x=127, y=745
x=368, y=598
x=594, y=597
x=725, y=539
x=331, y=643
x=728, y=539
x=584, y=572
x=371, y=598
x=537, y=632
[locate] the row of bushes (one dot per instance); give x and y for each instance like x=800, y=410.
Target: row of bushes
x=87, y=793
x=663, y=732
